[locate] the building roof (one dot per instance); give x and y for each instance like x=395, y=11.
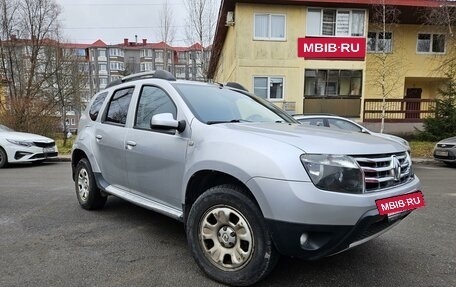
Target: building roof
x=229, y=5
x=98, y=44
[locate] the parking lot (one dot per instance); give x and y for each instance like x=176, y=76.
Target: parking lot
x=46, y=239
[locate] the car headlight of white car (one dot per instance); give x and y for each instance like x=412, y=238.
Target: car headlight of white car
x=337, y=173
x=21, y=143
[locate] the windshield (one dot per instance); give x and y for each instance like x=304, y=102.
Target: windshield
x=213, y=104
x=5, y=129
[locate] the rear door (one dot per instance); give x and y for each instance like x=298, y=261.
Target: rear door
x=155, y=158
x=110, y=138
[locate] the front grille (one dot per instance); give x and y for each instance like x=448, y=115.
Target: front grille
x=445, y=145
x=385, y=170
x=41, y=144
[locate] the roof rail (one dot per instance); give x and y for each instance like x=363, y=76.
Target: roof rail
x=236, y=86
x=158, y=74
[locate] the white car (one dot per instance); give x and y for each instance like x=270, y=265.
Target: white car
x=16, y=147
x=332, y=121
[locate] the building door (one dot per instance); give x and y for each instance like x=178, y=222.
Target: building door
x=413, y=107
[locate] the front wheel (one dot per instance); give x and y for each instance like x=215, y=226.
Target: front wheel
x=3, y=158
x=87, y=192
x=228, y=237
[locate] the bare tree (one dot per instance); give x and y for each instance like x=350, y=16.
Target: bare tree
x=386, y=74
x=443, y=18
x=167, y=29
x=200, y=28
x=27, y=48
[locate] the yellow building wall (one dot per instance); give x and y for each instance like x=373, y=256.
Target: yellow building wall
x=406, y=68
x=242, y=58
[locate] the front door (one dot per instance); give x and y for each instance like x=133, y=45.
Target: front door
x=413, y=107
x=155, y=159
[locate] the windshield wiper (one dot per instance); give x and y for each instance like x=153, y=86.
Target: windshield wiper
x=224, y=122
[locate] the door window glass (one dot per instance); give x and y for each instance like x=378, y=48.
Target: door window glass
x=152, y=101
x=118, y=106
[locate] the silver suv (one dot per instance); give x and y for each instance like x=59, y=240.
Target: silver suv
x=246, y=179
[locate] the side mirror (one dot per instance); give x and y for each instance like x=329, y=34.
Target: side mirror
x=166, y=121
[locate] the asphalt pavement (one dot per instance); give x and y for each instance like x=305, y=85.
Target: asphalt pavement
x=46, y=239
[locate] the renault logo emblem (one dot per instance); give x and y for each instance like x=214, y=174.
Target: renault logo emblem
x=395, y=168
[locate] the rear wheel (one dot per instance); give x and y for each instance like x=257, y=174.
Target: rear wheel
x=452, y=164
x=87, y=192
x=3, y=158
x=228, y=237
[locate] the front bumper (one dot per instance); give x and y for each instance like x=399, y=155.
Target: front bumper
x=312, y=242
x=17, y=154
x=445, y=154
x=332, y=221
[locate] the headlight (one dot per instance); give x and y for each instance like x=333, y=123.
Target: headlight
x=21, y=143
x=338, y=173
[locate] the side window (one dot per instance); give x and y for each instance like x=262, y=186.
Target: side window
x=312, y=122
x=340, y=124
x=96, y=106
x=118, y=106
x=152, y=101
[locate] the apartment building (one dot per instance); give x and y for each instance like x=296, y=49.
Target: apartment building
x=331, y=56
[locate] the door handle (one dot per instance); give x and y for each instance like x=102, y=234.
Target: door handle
x=130, y=144
x=99, y=137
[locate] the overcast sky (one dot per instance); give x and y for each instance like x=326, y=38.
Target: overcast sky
x=85, y=21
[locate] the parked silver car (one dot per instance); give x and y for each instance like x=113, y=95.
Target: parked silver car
x=333, y=121
x=16, y=147
x=246, y=179
x=445, y=151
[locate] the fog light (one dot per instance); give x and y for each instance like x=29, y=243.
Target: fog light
x=303, y=239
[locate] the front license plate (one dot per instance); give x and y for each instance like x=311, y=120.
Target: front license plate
x=48, y=149
x=400, y=203
x=441, y=153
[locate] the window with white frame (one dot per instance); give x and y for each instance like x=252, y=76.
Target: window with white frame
x=269, y=27
x=335, y=22
x=146, y=67
x=430, y=43
x=146, y=53
x=116, y=52
x=102, y=67
x=268, y=87
x=377, y=43
x=103, y=81
x=116, y=66
x=101, y=52
x=159, y=55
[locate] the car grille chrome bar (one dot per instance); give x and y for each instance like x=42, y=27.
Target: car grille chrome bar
x=385, y=170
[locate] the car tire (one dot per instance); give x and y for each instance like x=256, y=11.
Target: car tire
x=3, y=158
x=88, y=194
x=450, y=164
x=38, y=162
x=228, y=237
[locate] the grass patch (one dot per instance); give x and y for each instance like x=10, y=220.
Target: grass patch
x=64, y=149
x=422, y=149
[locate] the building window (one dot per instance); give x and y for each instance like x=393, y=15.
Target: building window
x=269, y=27
x=159, y=55
x=146, y=67
x=116, y=52
x=146, y=53
x=268, y=87
x=102, y=67
x=116, y=66
x=335, y=22
x=101, y=52
x=376, y=43
x=322, y=83
x=103, y=81
x=430, y=43
x=72, y=122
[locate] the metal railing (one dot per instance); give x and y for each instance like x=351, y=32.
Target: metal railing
x=398, y=110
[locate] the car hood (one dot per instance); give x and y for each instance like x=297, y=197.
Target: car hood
x=317, y=140
x=392, y=137
x=451, y=140
x=17, y=136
